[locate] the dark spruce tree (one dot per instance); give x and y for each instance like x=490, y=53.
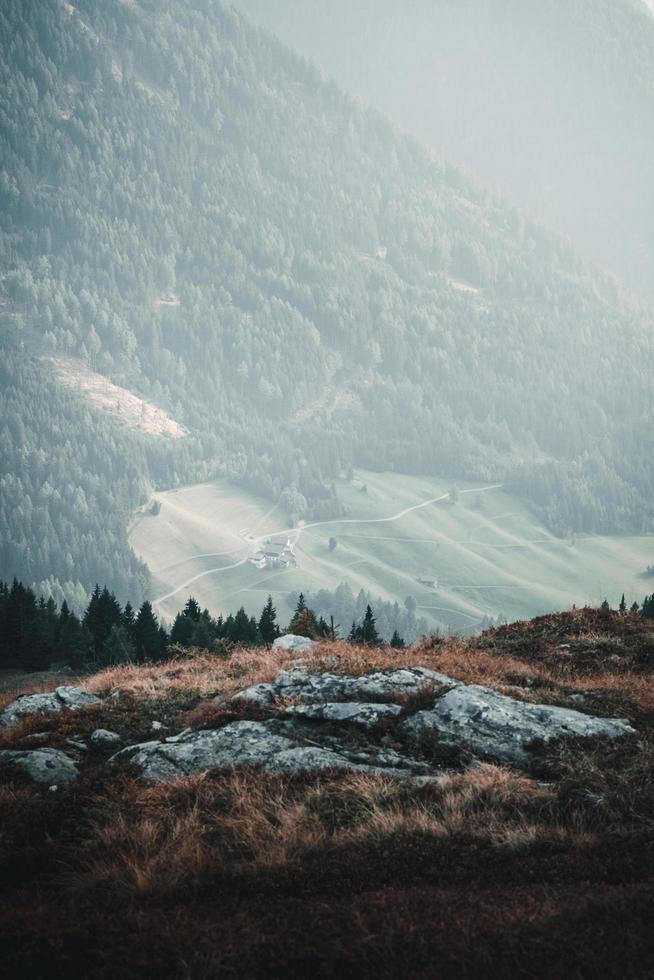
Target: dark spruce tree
x=366, y=633
x=268, y=628
x=148, y=639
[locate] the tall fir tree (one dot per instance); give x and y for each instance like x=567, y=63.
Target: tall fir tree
x=148, y=641
x=268, y=628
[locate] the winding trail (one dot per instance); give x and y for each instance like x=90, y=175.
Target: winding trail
x=298, y=531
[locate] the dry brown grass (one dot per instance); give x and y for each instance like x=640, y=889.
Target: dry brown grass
x=15, y=682
x=530, y=661
x=178, y=836
x=240, y=873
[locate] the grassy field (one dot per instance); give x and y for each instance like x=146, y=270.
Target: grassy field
x=488, y=553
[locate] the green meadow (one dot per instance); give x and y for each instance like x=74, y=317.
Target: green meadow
x=483, y=549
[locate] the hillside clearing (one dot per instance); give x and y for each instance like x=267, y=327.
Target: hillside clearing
x=487, y=553
x=132, y=410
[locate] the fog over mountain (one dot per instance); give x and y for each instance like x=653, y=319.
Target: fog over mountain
x=551, y=102
x=217, y=265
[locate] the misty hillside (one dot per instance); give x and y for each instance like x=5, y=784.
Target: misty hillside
x=551, y=102
x=189, y=212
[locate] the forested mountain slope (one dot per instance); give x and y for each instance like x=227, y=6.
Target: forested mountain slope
x=551, y=102
x=190, y=210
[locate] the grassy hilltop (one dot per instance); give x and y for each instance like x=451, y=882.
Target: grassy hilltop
x=237, y=873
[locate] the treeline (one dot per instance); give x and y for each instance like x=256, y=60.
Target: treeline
x=645, y=609
x=37, y=633
x=345, y=608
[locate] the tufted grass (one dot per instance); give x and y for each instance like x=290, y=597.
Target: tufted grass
x=248, y=874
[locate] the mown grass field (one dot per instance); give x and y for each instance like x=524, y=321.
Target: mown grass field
x=487, y=551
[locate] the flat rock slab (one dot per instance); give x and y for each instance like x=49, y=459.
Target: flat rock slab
x=363, y=714
x=382, y=686
x=49, y=766
x=50, y=703
x=498, y=726
x=244, y=743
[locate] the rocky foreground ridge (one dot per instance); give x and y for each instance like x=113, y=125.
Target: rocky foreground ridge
x=409, y=722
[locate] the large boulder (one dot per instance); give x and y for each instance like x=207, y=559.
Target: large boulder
x=49, y=766
x=265, y=745
x=50, y=703
x=299, y=684
x=294, y=644
x=502, y=728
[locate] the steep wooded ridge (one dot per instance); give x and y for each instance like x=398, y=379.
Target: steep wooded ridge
x=190, y=210
x=550, y=102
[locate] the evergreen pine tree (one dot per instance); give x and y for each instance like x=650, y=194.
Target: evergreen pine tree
x=243, y=629
x=647, y=609
x=192, y=609
x=102, y=613
x=74, y=643
x=163, y=642
x=268, y=628
x=64, y=613
x=148, y=641
x=369, y=634
x=203, y=631
x=182, y=630
x=36, y=650
x=129, y=620
x=118, y=648
x=304, y=624
x=366, y=633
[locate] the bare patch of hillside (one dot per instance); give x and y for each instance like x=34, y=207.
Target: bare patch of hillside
x=131, y=409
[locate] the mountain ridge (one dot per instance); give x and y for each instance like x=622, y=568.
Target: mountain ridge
x=303, y=241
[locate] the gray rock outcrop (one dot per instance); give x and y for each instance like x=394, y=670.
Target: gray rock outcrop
x=266, y=745
x=50, y=703
x=502, y=728
x=48, y=766
x=364, y=715
x=301, y=685
x=489, y=724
